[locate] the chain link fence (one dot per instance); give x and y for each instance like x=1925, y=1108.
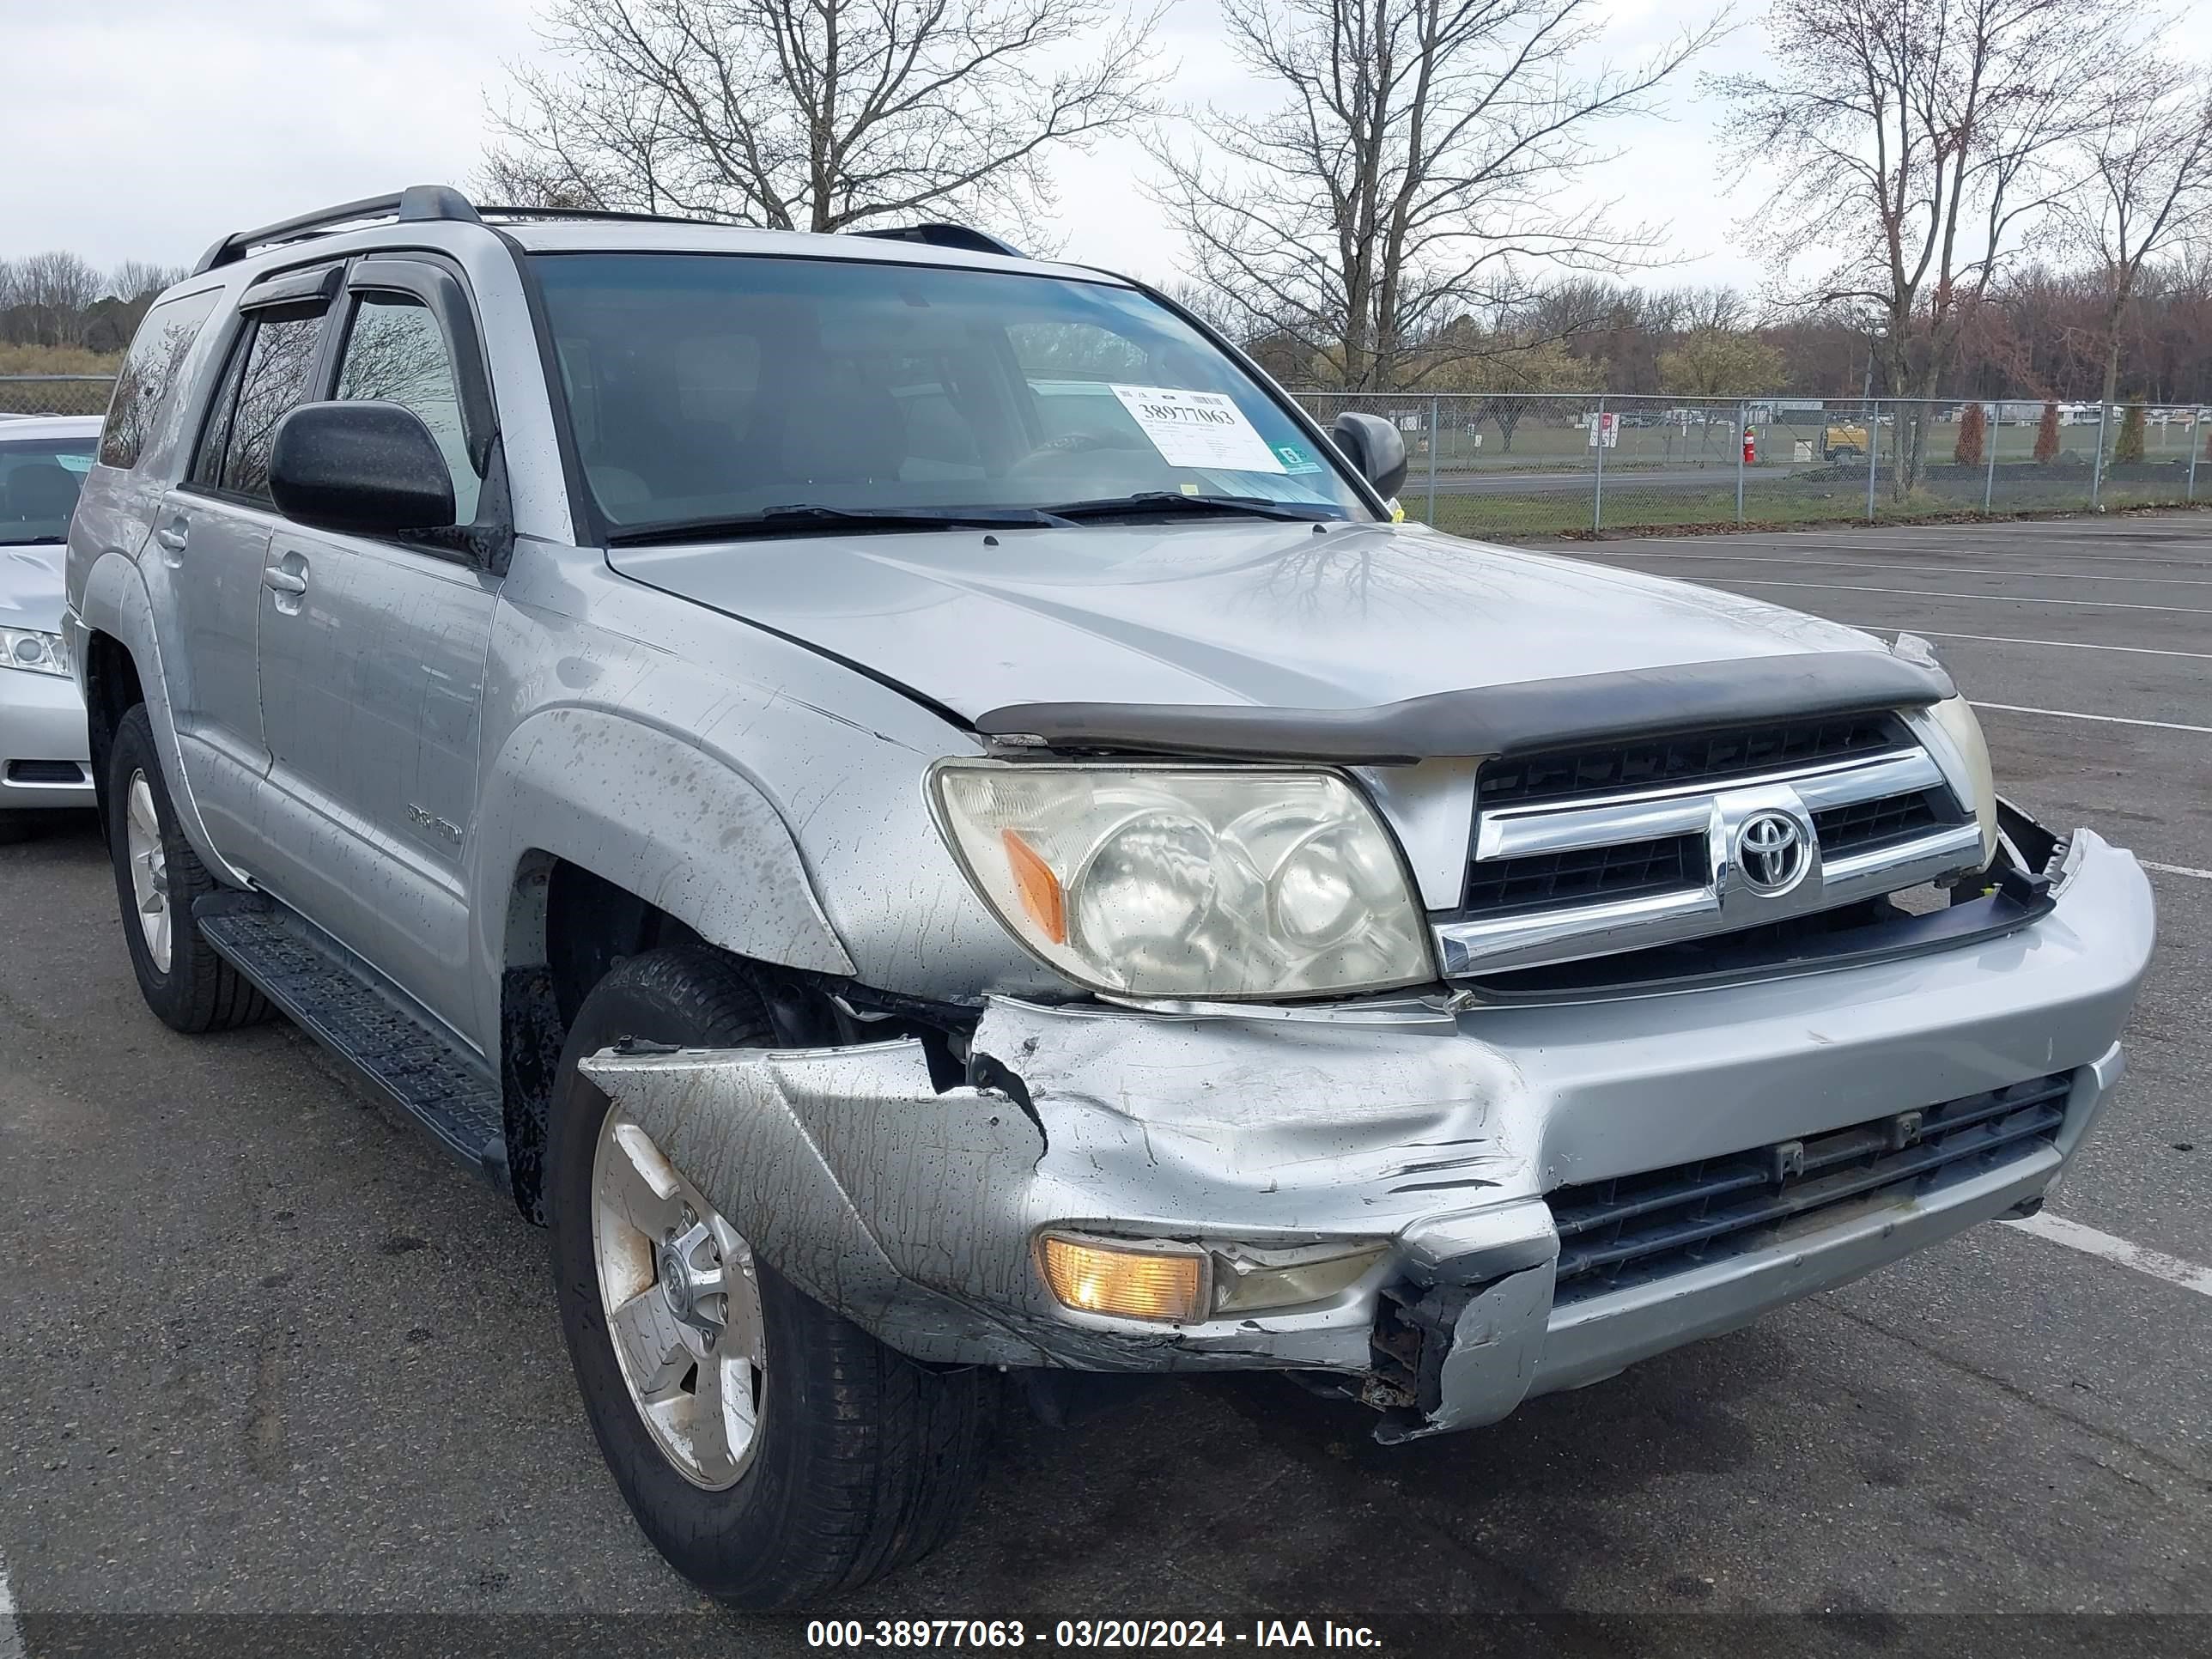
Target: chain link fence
x=55, y=394
x=1536, y=463
x=1512, y=464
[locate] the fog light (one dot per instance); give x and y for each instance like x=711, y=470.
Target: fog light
x=1160, y=1281
x=1246, y=1277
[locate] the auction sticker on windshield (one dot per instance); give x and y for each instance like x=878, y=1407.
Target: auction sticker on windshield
x=1198, y=428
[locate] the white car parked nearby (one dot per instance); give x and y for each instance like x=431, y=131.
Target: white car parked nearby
x=43, y=757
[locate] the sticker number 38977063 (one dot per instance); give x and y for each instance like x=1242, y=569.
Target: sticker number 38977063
x=1198, y=428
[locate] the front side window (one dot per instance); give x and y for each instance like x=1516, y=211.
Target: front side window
x=706, y=390
x=157, y=352
x=39, y=478
x=396, y=353
x=270, y=370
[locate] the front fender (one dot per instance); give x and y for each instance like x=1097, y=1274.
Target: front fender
x=658, y=817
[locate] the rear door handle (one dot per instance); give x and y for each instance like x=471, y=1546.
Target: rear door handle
x=284, y=580
x=174, y=534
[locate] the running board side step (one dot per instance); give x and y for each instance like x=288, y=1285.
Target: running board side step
x=348, y=1008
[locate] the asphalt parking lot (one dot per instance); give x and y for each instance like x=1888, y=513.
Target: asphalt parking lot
x=269, y=1352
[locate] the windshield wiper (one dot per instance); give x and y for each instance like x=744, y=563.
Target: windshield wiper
x=1148, y=502
x=804, y=517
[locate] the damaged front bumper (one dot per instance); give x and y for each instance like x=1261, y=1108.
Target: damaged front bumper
x=1460, y=1145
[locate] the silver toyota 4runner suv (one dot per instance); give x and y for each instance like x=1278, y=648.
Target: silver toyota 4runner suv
x=940, y=834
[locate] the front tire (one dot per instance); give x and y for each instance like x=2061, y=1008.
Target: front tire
x=772, y=1450
x=157, y=878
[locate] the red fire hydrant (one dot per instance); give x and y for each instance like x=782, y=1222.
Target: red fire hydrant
x=1750, y=447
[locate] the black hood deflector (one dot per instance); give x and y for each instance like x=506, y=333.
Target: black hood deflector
x=1498, y=719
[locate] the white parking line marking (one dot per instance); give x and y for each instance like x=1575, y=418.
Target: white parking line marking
x=2017, y=639
x=1861, y=544
x=2088, y=1240
x=1924, y=569
x=2176, y=869
x=2000, y=599
x=2108, y=719
x=11, y=1634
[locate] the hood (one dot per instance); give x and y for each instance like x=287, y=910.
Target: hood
x=1217, y=612
x=30, y=587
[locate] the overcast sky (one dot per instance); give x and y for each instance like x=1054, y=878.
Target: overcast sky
x=144, y=128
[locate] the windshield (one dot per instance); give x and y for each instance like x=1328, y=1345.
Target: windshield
x=39, y=478
x=716, y=388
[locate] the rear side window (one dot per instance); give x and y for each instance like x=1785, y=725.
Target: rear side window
x=268, y=375
x=157, y=352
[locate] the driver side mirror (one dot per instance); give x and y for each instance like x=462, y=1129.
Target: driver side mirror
x=367, y=468
x=1375, y=447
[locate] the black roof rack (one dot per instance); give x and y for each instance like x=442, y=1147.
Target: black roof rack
x=940, y=234
x=619, y=215
x=415, y=202
x=420, y=201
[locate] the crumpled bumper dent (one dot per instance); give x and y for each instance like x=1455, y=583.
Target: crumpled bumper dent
x=915, y=1211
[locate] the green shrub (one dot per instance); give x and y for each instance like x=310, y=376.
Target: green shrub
x=2131, y=445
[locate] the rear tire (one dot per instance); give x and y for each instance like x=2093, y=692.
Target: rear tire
x=157, y=878
x=858, y=1461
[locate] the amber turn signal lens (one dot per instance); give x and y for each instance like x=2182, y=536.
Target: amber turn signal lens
x=1038, y=888
x=1095, y=1277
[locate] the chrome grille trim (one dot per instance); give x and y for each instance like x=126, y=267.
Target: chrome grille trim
x=1518, y=831
x=1723, y=899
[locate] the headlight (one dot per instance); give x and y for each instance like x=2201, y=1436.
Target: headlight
x=1187, y=881
x=1956, y=721
x=26, y=648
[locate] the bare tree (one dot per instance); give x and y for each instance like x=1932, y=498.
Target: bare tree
x=1420, y=162
x=1915, y=139
x=2147, y=189
x=818, y=114
x=139, y=279
x=49, y=296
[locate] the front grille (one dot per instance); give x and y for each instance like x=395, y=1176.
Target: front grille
x=1867, y=824
x=1691, y=758
x=1617, y=1234
x=1550, y=880
x=44, y=771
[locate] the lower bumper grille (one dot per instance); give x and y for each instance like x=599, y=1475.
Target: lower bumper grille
x=45, y=771
x=1617, y=1234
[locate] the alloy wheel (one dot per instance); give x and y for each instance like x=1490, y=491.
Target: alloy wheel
x=149, y=869
x=682, y=1308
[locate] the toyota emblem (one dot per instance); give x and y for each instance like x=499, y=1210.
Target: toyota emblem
x=1771, y=851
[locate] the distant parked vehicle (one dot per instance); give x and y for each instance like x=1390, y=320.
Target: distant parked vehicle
x=43, y=757
x=1844, y=443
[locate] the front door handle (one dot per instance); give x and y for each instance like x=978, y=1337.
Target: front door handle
x=288, y=580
